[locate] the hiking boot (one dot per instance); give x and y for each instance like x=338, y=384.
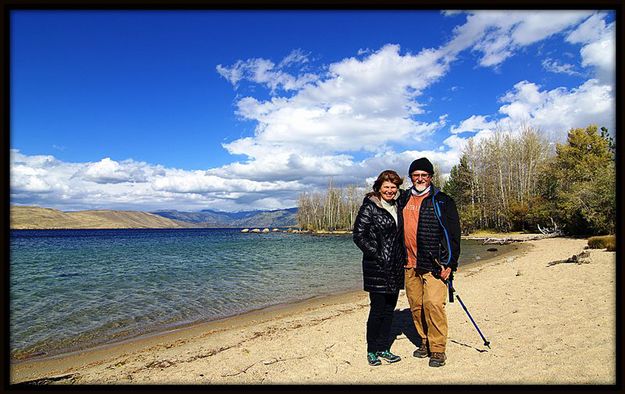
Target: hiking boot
x=437, y=359
x=373, y=359
x=422, y=350
x=388, y=356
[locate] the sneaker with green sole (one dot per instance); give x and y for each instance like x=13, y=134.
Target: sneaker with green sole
x=388, y=356
x=373, y=359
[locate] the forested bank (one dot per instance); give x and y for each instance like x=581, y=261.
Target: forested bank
x=521, y=182
x=508, y=182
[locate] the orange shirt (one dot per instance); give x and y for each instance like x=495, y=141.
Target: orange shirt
x=411, y=222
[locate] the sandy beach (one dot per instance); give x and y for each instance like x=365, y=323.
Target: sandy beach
x=548, y=322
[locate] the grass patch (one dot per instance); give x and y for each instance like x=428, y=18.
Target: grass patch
x=603, y=242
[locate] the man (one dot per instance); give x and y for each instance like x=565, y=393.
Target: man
x=432, y=240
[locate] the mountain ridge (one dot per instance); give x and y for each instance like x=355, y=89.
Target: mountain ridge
x=34, y=217
x=259, y=218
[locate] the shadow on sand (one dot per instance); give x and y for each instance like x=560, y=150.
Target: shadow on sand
x=402, y=324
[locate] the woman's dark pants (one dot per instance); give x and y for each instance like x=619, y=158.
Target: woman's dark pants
x=380, y=320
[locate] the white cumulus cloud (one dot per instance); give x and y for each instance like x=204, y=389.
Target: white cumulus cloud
x=553, y=112
x=474, y=123
x=497, y=35
x=265, y=72
x=360, y=104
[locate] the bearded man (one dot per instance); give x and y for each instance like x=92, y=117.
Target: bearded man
x=432, y=241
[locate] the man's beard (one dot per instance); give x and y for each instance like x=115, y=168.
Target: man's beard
x=420, y=187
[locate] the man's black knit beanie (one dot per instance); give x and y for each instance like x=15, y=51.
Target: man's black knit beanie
x=421, y=164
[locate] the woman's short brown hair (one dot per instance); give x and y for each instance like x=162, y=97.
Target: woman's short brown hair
x=387, y=175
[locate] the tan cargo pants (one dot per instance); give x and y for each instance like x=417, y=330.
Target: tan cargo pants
x=427, y=297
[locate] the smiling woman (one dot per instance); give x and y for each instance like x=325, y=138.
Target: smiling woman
x=378, y=232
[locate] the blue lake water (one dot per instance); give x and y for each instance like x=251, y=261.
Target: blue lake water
x=73, y=289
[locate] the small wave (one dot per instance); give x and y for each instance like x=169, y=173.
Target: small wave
x=71, y=275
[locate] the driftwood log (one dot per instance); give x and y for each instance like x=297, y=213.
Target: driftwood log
x=509, y=240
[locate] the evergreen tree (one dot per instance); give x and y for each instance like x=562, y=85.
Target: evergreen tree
x=459, y=187
x=585, y=182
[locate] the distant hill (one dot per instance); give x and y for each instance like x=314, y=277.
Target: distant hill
x=202, y=219
x=210, y=218
x=23, y=217
x=275, y=218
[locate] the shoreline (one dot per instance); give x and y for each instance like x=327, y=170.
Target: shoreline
x=518, y=248
x=541, y=331
x=257, y=314
x=49, y=366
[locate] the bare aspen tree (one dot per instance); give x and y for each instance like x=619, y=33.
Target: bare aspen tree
x=437, y=179
x=503, y=172
x=334, y=209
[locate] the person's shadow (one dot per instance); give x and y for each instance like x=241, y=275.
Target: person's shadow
x=403, y=324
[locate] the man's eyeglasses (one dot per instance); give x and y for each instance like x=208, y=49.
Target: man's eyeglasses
x=422, y=176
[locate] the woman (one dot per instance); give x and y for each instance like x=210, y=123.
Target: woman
x=378, y=232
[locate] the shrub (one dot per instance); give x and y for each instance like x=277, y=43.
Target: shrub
x=603, y=242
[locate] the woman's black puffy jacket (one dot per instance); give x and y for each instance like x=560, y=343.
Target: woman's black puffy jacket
x=381, y=241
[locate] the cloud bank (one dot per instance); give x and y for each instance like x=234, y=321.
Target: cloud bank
x=349, y=120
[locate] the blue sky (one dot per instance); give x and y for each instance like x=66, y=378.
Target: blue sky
x=234, y=110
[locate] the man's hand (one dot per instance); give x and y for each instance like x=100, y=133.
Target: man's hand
x=445, y=273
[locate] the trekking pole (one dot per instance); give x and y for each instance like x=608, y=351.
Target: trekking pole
x=451, y=292
x=486, y=342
